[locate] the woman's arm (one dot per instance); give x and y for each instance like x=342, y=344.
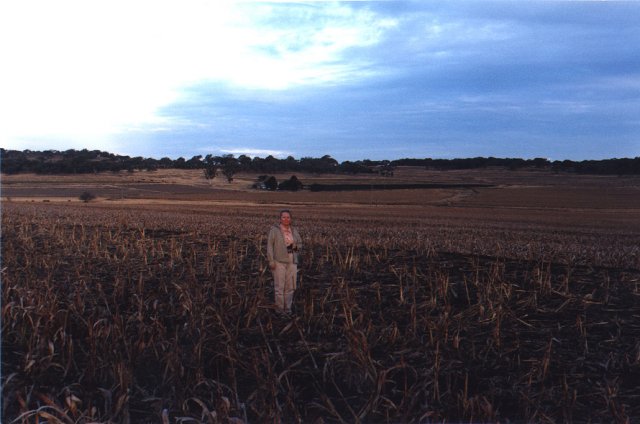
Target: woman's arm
x=270, y=243
x=297, y=239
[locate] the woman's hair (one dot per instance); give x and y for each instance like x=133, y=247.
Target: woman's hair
x=286, y=211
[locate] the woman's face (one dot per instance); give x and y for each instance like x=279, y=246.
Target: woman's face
x=285, y=219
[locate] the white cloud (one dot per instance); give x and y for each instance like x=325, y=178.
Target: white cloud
x=252, y=152
x=79, y=70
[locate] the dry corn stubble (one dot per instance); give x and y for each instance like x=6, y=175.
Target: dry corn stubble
x=148, y=315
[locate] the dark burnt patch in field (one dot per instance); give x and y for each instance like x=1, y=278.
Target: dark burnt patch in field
x=506, y=339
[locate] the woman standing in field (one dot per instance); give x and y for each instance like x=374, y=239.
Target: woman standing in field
x=283, y=247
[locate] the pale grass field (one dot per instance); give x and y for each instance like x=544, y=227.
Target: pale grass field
x=526, y=195
x=528, y=188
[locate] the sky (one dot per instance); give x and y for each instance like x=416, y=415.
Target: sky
x=353, y=80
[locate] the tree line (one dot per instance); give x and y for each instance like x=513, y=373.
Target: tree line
x=95, y=161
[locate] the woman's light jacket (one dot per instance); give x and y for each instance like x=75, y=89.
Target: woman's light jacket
x=277, y=249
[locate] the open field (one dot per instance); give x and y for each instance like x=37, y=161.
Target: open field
x=514, y=302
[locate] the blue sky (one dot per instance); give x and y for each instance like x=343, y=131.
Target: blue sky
x=355, y=80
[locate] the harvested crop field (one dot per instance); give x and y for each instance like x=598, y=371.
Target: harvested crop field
x=457, y=308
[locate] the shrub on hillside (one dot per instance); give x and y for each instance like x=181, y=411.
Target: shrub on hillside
x=292, y=184
x=87, y=197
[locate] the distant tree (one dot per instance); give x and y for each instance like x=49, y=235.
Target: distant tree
x=194, y=163
x=329, y=163
x=271, y=164
x=211, y=164
x=540, y=162
x=230, y=166
x=348, y=167
x=291, y=164
x=245, y=162
x=165, y=162
x=323, y=165
x=257, y=164
x=209, y=173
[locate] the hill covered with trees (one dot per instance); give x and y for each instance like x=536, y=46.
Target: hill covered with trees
x=94, y=161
